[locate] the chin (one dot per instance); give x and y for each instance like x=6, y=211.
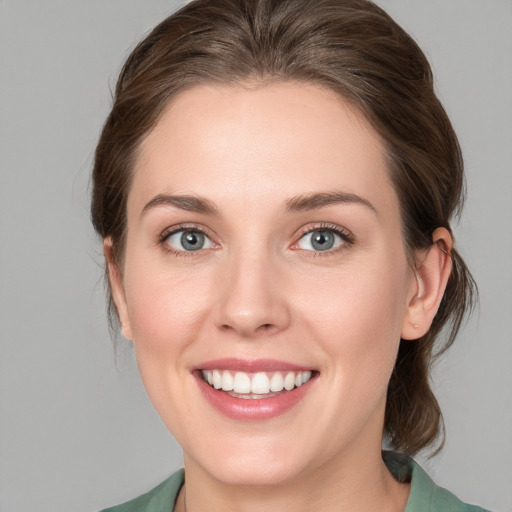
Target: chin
x=263, y=472
x=249, y=461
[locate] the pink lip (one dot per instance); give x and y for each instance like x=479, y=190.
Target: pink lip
x=247, y=409
x=250, y=365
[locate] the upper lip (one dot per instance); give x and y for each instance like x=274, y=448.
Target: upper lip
x=250, y=365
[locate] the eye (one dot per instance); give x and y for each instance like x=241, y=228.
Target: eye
x=321, y=240
x=188, y=240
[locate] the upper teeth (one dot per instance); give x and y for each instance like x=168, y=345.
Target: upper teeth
x=259, y=383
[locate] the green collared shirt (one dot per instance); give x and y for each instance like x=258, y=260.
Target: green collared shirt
x=425, y=495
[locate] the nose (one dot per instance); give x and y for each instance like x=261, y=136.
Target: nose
x=253, y=300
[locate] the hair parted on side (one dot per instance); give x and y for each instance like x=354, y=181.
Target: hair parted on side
x=353, y=48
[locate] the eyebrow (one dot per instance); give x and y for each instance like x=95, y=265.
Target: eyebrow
x=306, y=202
x=189, y=203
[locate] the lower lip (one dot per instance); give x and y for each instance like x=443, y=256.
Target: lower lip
x=253, y=409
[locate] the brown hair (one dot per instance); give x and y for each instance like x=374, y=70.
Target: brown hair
x=353, y=48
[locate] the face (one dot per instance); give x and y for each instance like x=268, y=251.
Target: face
x=264, y=253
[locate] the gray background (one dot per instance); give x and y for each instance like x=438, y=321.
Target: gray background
x=76, y=430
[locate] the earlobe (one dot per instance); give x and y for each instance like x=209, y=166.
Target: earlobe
x=115, y=279
x=432, y=273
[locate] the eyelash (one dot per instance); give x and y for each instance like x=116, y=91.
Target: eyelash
x=346, y=236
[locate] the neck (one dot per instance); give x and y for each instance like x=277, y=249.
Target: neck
x=360, y=483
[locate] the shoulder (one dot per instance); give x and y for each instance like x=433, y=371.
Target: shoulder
x=425, y=495
x=157, y=499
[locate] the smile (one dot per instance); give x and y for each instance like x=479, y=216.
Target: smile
x=255, y=385
x=254, y=390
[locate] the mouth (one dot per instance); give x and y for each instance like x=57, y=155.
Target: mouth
x=256, y=385
x=254, y=390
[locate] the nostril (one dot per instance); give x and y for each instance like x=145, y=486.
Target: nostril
x=266, y=327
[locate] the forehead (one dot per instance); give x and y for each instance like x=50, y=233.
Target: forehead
x=248, y=142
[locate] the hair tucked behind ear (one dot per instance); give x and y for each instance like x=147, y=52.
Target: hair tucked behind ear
x=413, y=417
x=353, y=48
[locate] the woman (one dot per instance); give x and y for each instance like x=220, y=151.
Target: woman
x=274, y=187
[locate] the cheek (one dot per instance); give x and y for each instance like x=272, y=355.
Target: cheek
x=166, y=312
x=357, y=315
x=165, y=309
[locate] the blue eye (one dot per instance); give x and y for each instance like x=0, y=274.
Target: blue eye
x=321, y=240
x=188, y=240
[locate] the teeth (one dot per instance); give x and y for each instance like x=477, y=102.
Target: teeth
x=217, y=379
x=276, y=382
x=260, y=383
x=227, y=381
x=242, y=383
x=289, y=381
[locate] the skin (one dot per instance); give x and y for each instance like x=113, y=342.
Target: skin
x=258, y=290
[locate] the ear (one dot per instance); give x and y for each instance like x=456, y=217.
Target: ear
x=115, y=279
x=432, y=273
